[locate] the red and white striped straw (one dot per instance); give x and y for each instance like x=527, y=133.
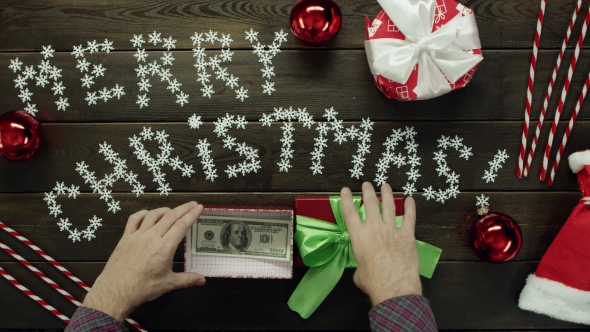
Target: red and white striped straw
x=40, y=274
x=529, y=92
x=32, y=295
x=563, y=96
x=550, y=88
x=568, y=131
x=45, y=256
x=58, y=266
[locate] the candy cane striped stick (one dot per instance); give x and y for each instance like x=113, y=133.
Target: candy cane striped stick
x=550, y=88
x=32, y=295
x=529, y=92
x=45, y=256
x=563, y=96
x=58, y=266
x=568, y=131
x=40, y=274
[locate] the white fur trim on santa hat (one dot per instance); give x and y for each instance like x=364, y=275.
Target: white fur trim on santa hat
x=556, y=300
x=578, y=160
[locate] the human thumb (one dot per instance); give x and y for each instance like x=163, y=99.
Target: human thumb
x=188, y=279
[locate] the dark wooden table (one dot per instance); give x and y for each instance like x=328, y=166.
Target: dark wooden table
x=465, y=293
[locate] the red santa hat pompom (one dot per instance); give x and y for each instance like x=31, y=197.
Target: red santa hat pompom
x=560, y=287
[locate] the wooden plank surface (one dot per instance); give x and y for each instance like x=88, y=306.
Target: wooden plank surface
x=445, y=226
x=62, y=23
x=463, y=295
x=314, y=80
x=466, y=294
x=68, y=144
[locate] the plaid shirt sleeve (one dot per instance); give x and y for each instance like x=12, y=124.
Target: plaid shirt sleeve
x=87, y=319
x=403, y=313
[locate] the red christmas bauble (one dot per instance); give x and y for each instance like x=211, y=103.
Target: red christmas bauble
x=315, y=21
x=495, y=238
x=20, y=135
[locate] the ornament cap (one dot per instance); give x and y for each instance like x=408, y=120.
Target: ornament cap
x=482, y=211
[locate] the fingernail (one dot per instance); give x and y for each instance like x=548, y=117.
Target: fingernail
x=201, y=282
x=345, y=190
x=199, y=207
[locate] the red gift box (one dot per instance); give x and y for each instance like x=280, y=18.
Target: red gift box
x=384, y=28
x=319, y=207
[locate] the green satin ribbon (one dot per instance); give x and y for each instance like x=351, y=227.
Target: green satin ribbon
x=325, y=248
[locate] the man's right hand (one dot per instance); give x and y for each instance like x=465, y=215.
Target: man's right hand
x=386, y=256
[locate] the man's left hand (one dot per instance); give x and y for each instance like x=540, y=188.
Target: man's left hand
x=139, y=268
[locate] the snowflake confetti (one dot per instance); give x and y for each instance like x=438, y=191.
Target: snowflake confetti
x=195, y=121
x=155, y=38
x=221, y=73
x=156, y=68
x=266, y=54
x=142, y=100
x=137, y=41
x=62, y=103
x=287, y=115
x=443, y=170
x=207, y=161
x=103, y=186
x=495, y=165
x=251, y=162
x=42, y=79
x=47, y=52
x=268, y=87
x=98, y=70
x=15, y=65
x=391, y=158
x=242, y=94
x=482, y=201
x=64, y=224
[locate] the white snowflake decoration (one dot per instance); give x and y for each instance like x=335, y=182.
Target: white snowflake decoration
x=363, y=134
x=287, y=115
x=266, y=54
x=103, y=187
x=390, y=158
x=64, y=224
x=206, y=160
x=364, y=145
x=94, y=71
x=452, y=178
x=495, y=165
x=221, y=73
x=163, y=158
x=251, y=162
x=482, y=201
x=156, y=68
x=42, y=79
x=195, y=121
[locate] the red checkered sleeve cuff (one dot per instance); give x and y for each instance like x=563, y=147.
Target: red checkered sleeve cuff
x=403, y=313
x=87, y=319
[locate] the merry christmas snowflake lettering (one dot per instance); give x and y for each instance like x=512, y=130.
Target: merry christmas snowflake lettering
x=91, y=71
x=400, y=138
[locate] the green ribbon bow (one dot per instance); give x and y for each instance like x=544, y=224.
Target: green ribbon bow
x=325, y=248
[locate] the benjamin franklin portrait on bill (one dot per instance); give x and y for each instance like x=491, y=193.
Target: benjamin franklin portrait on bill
x=234, y=238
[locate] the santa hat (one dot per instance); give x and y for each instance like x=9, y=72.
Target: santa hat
x=560, y=287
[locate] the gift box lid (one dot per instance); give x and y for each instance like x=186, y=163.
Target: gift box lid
x=318, y=207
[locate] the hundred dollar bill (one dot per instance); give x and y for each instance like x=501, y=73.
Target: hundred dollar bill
x=229, y=236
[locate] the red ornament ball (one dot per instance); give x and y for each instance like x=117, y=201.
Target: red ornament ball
x=315, y=21
x=495, y=238
x=20, y=135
